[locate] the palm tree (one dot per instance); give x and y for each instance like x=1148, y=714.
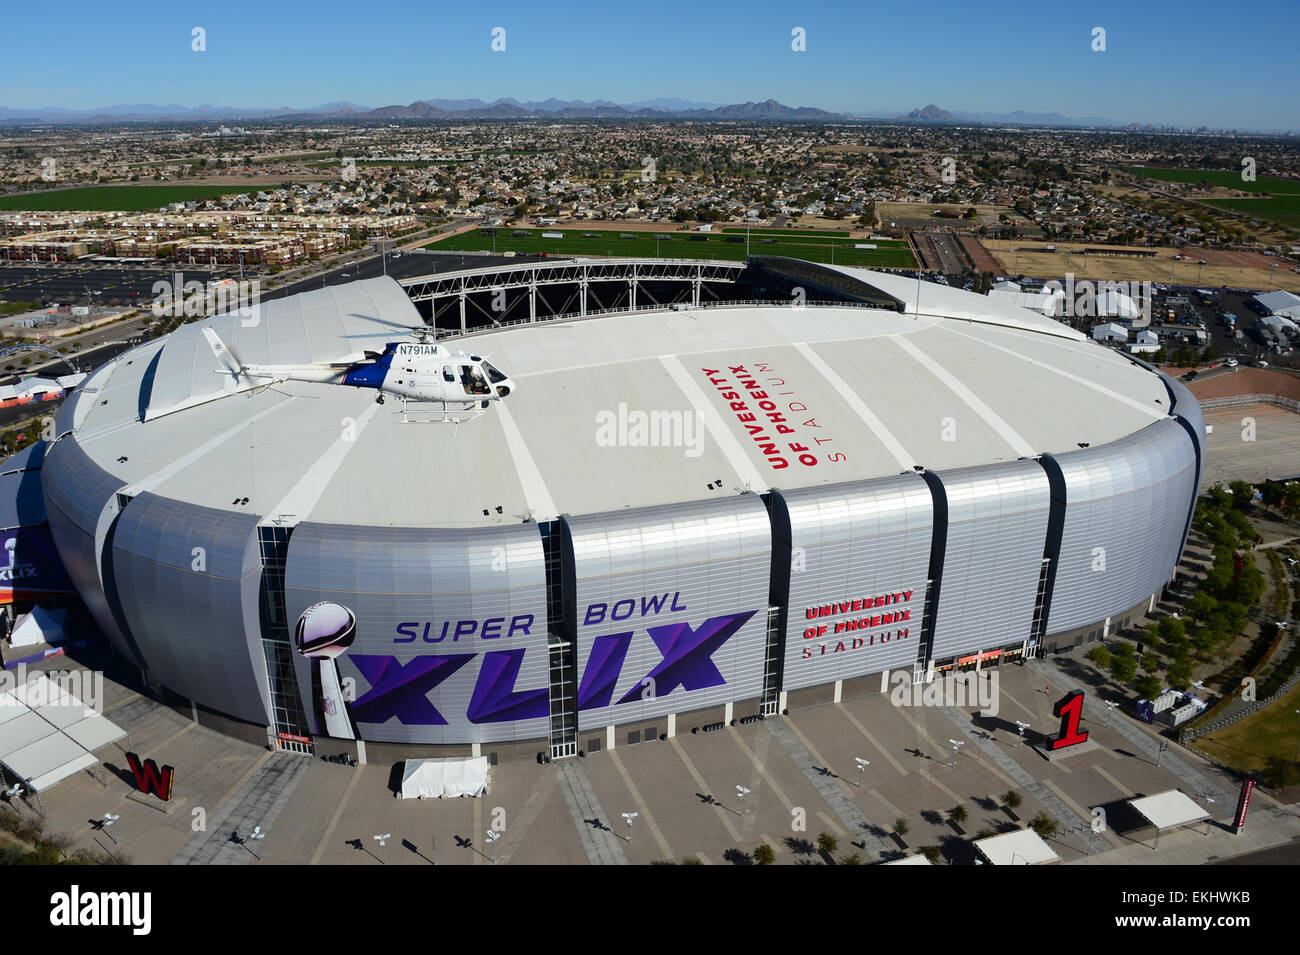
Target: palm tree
x=764, y=855
x=1044, y=825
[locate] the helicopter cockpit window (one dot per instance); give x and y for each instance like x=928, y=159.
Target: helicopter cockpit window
x=473, y=380
x=493, y=374
x=448, y=374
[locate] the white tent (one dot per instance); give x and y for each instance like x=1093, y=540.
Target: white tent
x=1171, y=809
x=42, y=625
x=1112, y=303
x=1280, y=303
x=1110, y=332
x=1022, y=847
x=444, y=777
x=1048, y=301
x=48, y=734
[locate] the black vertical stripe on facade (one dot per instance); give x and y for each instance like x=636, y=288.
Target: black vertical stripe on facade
x=1196, y=489
x=778, y=516
x=1196, y=445
x=561, y=577
x=1187, y=426
x=1055, y=533
x=108, y=579
x=938, y=550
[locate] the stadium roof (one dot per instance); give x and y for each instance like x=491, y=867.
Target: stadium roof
x=868, y=392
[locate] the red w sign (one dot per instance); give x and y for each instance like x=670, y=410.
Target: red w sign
x=149, y=778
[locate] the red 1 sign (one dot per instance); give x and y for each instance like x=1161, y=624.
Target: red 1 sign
x=1069, y=708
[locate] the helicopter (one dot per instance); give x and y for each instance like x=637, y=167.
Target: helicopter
x=420, y=371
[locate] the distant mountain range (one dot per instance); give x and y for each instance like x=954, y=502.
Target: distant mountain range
x=507, y=108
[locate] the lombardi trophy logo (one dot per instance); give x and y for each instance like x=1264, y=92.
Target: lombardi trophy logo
x=324, y=631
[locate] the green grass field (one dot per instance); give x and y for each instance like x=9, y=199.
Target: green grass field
x=116, y=198
x=1283, y=209
x=683, y=245
x=1227, y=179
x=1282, y=206
x=1248, y=744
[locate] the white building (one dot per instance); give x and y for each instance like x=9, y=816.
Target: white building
x=1286, y=304
x=1047, y=301
x=1110, y=332
x=1147, y=341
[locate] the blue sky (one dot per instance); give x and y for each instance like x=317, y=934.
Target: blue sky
x=1186, y=63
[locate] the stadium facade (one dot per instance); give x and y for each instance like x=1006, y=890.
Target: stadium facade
x=679, y=518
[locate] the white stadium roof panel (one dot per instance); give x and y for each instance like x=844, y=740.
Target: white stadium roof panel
x=878, y=384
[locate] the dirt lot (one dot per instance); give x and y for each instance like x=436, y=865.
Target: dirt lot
x=1245, y=381
x=1163, y=268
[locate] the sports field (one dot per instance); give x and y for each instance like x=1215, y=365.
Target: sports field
x=1281, y=205
x=1283, y=209
x=1224, y=178
x=116, y=198
x=825, y=247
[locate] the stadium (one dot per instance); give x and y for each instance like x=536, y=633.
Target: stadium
x=678, y=517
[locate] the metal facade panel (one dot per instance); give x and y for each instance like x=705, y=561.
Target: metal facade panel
x=81, y=504
x=671, y=607
x=188, y=578
x=1126, y=509
x=996, y=531
x=451, y=643
x=852, y=545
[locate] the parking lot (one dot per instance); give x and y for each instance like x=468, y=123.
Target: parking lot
x=70, y=284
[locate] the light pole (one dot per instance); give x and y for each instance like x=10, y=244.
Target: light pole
x=956, y=748
x=383, y=844
x=742, y=792
x=257, y=835
x=109, y=819
x=862, y=768
x=629, y=816
x=1021, y=727
x=492, y=837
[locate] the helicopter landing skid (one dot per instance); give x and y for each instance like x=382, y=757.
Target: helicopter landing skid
x=438, y=412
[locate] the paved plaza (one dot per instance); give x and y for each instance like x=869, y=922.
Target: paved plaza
x=1251, y=443
x=800, y=772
